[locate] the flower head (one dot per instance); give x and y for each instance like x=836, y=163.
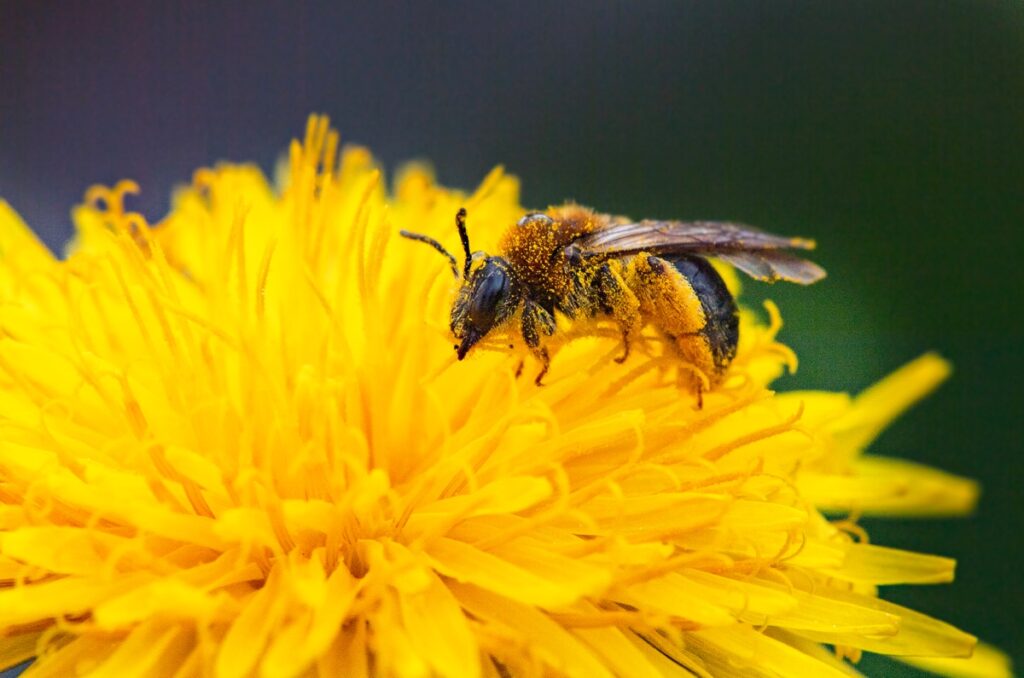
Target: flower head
x=237, y=442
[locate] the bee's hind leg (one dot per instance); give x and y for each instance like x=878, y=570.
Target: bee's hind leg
x=537, y=321
x=669, y=299
x=619, y=301
x=545, y=363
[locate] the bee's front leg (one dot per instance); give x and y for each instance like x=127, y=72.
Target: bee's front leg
x=537, y=321
x=619, y=302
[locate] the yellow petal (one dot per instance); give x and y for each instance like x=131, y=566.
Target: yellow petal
x=878, y=565
x=13, y=570
x=621, y=655
x=61, y=597
x=464, y=563
x=819, y=554
x=877, y=406
x=285, y=657
x=347, y=655
x=742, y=596
x=822, y=653
x=555, y=646
x=507, y=495
x=195, y=467
x=393, y=649
x=339, y=593
x=19, y=246
x=541, y=557
x=76, y=658
x=124, y=496
x=246, y=525
x=750, y=528
x=649, y=517
x=986, y=662
x=740, y=651
x=63, y=550
x=679, y=596
x=166, y=598
x=668, y=658
x=439, y=632
x=882, y=486
x=142, y=651
x=300, y=643
x=917, y=634
x=246, y=639
x=827, y=617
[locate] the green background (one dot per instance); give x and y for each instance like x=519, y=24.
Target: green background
x=892, y=132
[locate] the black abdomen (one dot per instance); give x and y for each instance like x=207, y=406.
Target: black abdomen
x=723, y=327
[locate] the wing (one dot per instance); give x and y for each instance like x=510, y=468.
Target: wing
x=756, y=253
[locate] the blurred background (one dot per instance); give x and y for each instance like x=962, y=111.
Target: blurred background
x=893, y=133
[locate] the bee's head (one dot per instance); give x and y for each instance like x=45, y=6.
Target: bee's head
x=487, y=298
x=488, y=294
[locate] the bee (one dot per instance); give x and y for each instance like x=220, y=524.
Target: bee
x=582, y=264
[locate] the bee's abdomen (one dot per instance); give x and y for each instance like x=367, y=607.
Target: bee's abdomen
x=722, y=329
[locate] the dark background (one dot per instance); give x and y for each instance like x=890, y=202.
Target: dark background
x=891, y=132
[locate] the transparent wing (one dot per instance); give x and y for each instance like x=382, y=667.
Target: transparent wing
x=772, y=265
x=756, y=253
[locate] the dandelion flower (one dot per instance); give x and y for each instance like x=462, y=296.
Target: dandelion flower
x=237, y=442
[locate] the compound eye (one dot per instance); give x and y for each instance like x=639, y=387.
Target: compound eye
x=491, y=288
x=535, y=219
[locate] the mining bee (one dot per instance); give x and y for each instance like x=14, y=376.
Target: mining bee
x=586, y=265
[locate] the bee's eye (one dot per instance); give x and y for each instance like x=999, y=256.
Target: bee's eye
x=490, y=290
x=486, y=300
x=535, y=218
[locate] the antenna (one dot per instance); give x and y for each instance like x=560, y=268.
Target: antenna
x=460, y=223
x=419, y=237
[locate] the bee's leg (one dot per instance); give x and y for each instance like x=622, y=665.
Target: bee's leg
x=619, y=301
x=545, y=363
x=672, y=304
x=625, y=348
x=665, y=295
x=537, y=321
